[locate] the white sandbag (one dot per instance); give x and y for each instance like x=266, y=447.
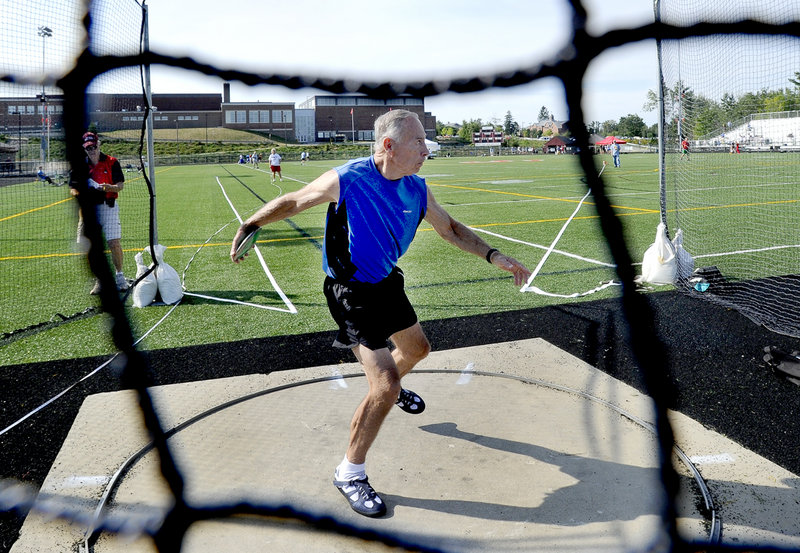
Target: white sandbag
x=659, y=265
x=169, y=282
x=146, y=289
x=685, y=261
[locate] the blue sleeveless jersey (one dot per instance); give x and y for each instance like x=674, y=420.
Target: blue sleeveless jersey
x=373, y=224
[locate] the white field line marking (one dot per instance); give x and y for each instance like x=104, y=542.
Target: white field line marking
x=449, y=205
x=555, y=241
x=338, y=381
x=756, y=250
x=612, y=265
x=528, y=287
x=285, y=177
x=249, y=166
x=238, y=302
x=719, y=459
x=290, y=306
x=621, y=194
x=739, y=252
x=466, y=374
x=113, y=357
x=738, y=187
x=603, y=286
x=561, y=252
x=81, y=481
x=495, y=203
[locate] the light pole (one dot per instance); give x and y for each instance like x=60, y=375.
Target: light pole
x=44, y=32
x=19, y=139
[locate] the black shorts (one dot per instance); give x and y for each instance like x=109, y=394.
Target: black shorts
x=369, y=314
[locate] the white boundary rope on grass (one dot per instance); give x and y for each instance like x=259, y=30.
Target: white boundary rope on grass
x=92, y=373
x=528, y=287
x=290, y=308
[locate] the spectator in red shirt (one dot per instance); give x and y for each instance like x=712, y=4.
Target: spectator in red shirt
x=106, y=180
x=684, y=148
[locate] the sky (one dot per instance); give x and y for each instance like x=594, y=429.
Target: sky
x=362, y=40
x=416, y=40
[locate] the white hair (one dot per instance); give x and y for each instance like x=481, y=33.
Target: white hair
x=390, y=125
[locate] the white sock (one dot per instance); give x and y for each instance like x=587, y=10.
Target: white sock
x=350, y=471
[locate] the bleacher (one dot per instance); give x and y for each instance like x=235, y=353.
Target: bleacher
x=760, y=132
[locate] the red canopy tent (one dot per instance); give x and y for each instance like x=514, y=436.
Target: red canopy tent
x=610, y=140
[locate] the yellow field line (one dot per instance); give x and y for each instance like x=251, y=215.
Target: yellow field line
x=42, y=256
x=501, y=192
x=486, y=225
x=61, y=202
x=182, y=247
x=772, y=202
x=35, y=209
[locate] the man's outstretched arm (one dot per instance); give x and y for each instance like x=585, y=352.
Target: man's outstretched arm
x=323, y=189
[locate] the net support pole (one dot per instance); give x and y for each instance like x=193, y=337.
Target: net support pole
x=662, y=177
x=151, y=166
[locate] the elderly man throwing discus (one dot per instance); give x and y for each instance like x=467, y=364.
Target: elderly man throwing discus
x=375, y=206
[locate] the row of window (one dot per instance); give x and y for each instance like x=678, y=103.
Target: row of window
x=160, y=118
x=362, y=135
x=258, y=116
x=34, y=109
x=240, y=116
x=351, y=101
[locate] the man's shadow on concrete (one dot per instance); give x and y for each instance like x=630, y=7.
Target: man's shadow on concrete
x=604, y=491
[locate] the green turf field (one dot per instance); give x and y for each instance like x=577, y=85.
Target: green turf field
x=522, y=200
x=738, y=212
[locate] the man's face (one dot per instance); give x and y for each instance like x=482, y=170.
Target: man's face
x=92, y=152
x=409, y=151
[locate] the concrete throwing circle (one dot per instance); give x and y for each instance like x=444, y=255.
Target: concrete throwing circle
x=496, y=462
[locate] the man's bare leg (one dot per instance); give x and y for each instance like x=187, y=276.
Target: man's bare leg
x=116, y=254
x=384, y=371
x=383, y=379
x=411, y=347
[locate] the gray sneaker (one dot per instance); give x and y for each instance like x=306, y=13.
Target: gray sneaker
x=122, y=284
x=362, y=498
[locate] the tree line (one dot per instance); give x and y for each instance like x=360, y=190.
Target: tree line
x=631, y=125
x=696, y=116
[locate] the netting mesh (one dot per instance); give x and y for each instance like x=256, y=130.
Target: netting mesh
x=734, y=195
x=39, y=234
x=42, y=240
